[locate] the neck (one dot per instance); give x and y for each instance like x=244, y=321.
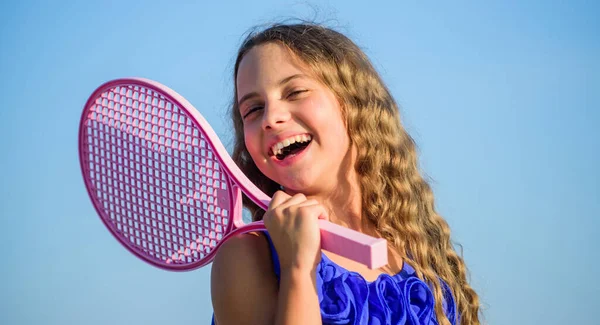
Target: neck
x=343, y=202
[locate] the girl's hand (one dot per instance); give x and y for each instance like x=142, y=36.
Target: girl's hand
x=293, y=227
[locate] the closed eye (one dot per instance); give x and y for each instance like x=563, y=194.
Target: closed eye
x=295, y=93
x=252, y=110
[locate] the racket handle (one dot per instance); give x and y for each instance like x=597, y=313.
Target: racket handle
x=354, y=245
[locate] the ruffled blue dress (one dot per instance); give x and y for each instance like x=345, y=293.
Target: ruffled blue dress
x=346, y=297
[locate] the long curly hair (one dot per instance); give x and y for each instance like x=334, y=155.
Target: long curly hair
x=386, y=162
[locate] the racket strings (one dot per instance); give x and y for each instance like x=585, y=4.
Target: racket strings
x=155, y=175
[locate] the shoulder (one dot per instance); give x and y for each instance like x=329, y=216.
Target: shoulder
x=250, y=251
x=243, y=269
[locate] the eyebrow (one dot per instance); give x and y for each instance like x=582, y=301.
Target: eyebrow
x=281, y=82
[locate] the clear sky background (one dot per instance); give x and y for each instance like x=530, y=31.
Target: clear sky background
x=503, y=98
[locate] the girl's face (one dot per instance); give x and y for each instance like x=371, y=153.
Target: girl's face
x=293, y=126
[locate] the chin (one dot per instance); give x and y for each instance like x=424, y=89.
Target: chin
x=306, y=188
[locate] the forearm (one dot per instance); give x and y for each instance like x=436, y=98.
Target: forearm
x=298, y=301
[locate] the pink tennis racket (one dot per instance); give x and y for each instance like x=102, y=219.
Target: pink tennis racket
x=166, y=188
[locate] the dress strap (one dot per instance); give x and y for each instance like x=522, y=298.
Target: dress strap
x=274, y=257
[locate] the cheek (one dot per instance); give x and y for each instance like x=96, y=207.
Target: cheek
x=248, y=140
x=252, y=143
x=338, y=132
x=329, y=115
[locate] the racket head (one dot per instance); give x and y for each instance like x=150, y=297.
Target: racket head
x=154, y=171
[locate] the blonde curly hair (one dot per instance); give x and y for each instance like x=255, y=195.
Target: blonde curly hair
x=386, y=162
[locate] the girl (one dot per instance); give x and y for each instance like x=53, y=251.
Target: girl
x=318, y=130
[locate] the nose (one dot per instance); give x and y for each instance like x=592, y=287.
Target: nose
x=275, y=116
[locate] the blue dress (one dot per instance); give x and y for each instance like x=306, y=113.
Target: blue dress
x=346, y=297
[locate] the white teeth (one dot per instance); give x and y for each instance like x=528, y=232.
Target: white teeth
x=277, y=148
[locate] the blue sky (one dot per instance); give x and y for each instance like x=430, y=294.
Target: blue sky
x=502, y=98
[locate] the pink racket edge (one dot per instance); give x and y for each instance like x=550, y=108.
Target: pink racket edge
x=176, y=99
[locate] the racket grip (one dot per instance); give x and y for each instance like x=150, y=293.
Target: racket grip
x=354, y=245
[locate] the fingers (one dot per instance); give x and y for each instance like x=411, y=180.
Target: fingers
x=282, y=200
x=317, y=211
x=278, y=198
x=282, y=206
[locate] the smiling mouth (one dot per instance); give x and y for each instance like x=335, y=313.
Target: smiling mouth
x=290, y=150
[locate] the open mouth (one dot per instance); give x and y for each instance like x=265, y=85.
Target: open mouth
x=290, y=149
